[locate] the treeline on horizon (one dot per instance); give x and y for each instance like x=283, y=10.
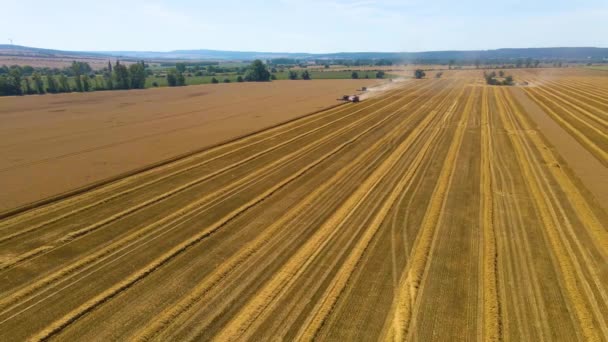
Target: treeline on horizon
x=80, y=77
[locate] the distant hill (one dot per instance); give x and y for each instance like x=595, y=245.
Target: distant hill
x=566, y=53
x=572, y=53
x=18, y=50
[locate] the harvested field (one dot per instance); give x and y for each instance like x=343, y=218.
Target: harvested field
x=578, y=101
x=54, y=143
x=435, y=211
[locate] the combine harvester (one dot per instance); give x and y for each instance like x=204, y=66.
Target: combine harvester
x=350, y=98
x=353, y=98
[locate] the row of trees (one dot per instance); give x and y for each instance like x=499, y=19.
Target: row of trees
x=28, y=70
x=15, y=83
x=256, y=72
x=80, y=77
x=77, y=77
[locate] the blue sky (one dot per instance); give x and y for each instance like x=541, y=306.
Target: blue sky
x=303, y=25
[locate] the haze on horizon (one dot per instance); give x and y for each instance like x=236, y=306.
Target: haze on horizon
x=290, y=26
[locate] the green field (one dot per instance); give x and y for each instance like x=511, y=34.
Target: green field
x=599, y=67
x=315, y=75
x=232, y=77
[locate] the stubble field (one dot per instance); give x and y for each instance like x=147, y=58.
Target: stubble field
x=436, y=211
x=55, y=143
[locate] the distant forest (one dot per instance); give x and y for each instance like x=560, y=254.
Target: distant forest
x=137, y=74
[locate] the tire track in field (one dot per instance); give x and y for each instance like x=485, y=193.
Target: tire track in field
x=255, y=307
x=342, y=280
x=110, y=293
x=258, y=244
x=433, y=251
x=403, y=305
x=76, y=234
x=204, y=288
x=395, y=219
x=543, y=206
x=516, y=249
x=491, y=321
x=506, y=262
x=297, y=124
x=55, y=218
x=188, y=210
x=322, y=310
x=123, y=285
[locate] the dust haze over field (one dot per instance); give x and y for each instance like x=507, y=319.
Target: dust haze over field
x=435, y=210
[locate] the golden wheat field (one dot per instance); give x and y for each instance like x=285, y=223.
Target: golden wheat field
x=53, y=144
x=439, y=210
